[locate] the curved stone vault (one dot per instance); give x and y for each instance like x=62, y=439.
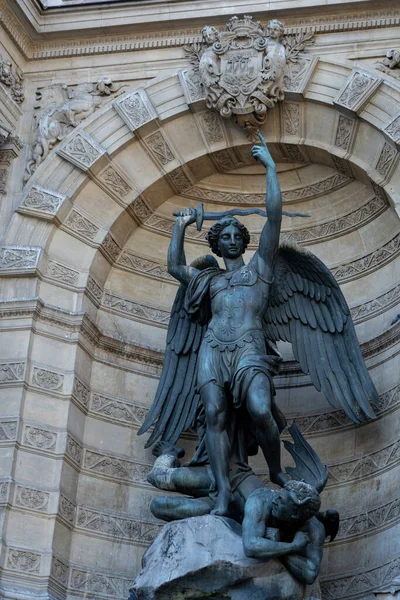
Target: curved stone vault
x=87, y=300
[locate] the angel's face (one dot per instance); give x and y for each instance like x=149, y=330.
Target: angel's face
x=275, y=30
x=230, y=242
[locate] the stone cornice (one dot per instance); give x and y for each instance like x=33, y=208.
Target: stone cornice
x=149, y=17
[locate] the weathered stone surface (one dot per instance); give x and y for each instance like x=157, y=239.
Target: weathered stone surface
x=203, y=557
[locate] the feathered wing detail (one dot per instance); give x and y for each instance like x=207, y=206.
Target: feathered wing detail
x=307, y=308
x=176, y=401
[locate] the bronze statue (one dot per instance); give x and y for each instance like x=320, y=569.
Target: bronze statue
x=221, y=350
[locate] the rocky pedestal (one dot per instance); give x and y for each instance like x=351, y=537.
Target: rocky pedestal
x=203, y=558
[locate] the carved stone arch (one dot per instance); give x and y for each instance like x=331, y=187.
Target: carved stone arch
x=104, y=180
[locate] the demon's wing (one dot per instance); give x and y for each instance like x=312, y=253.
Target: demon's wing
x=175, y=404
x=308, y=309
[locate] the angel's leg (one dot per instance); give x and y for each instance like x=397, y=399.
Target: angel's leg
x=259, y=396
x=217, y=443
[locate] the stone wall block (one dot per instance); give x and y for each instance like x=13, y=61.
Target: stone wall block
x=298, y=76
x=82, y=150
x=12, y=372
x=16, y=260
x=387, y=159
x=193, y=89
x=357, y=91
x=50, y=381
x=41, y=202
x=115, y=183
x=345, y=133
x=136, y=109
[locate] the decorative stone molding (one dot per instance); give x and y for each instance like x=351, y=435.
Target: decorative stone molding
x=31, y=499
x=140, y=210
x=115, y=467
x=94, y=290
x=360, y=582
x=357, y=90
x=66, y=509
x=59, y=571
x=392, y=129
x=61, y=273
x=81, y=393
x=369, y=521
x=41, y=202
x=390, y=64
x=140, y=311
x=159, y=149
x=40, y=439
x=368, y=263
x=138, y=264
x=136, y=109
x=110, y=248
x=16, y=259
x=211, y=126
x=12, y=78
x=4, y=491
x=47, y=380
x=118, y=411
x=192, y=87
x=387, y=160
x=376, y=306
x=80, y=226
x=344, y=132
x=298, y=75
x=179, y=180
x=114, y=183
x=8, y=430
x=24, y=561
x=116, y=526
x=74, y=450
x=98, y=585
x=12, y=372
x=291, y=118
x=82, y=150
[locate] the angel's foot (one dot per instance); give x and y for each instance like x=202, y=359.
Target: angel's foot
x=279, y=478
x=224, y=499
x=161, y=448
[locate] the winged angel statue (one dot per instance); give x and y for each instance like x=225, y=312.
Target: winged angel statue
x=221, y=355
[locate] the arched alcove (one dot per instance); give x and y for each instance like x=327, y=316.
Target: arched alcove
x=87, y=290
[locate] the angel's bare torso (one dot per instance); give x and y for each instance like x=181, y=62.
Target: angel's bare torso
x=238, y=301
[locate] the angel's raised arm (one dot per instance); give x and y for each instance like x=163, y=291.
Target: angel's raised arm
x=176, y=254
x=269, y=240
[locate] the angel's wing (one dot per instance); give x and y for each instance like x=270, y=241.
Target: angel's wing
x=176, y=401
x=308, y=309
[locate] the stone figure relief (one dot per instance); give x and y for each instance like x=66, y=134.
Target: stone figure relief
x=242, y=68
x=390, y=64
x=12, y=78
x=60, y=109
x=219, y=364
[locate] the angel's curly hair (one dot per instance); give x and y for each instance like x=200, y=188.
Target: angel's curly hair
x=215, y=231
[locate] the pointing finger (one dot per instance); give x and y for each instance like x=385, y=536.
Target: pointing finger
x=263, y=142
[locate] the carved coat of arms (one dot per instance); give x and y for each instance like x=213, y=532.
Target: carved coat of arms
x=242, y=68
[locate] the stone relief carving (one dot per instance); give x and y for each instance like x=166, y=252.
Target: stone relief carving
x=114, y=182
x=370, y=520
x=356, y=90
x=4, y=488
x=116, y=467
x=390, y=64
x=135, y=109
x=80, y=225
x=131, y=261
x=393, y=129
x=32, y=499
x=140, y=209
x=42, y=439
x=66, y=509
x=242, y=67
x=118, y=410
x=141, y=311
x=360, y=582
x=59, y=109
x=18, y=258
x=8, y=431
x=42, y=200
x=47, y=380
x=180, y=181
x=99, y=585
x=74, y=450
x=13, y=79
x=344, y=132
x=23, y=560
x=94, y=289
x=82, y=151
x=110, y=248
x=291, y=118
x=376, y=306
x=116, y=526
x=299, y=72
x=159, y=148
x=386, y=159
x=81, y=392
x=212, y=127
x=59, y=571
x=61, y=273
x=12, y=372
x=368, y=263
